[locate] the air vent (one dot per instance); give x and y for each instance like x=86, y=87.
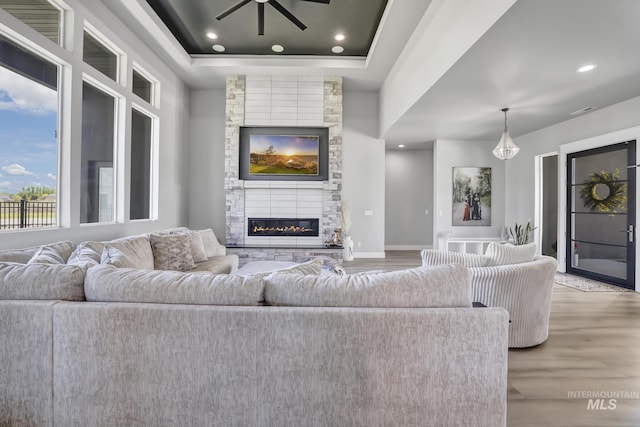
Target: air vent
x=581, y=111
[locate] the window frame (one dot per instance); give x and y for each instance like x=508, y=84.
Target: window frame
x=154, y=157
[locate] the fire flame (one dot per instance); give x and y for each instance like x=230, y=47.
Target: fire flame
x=289, y=228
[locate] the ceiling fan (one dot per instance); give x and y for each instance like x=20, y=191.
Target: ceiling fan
x=277, y=6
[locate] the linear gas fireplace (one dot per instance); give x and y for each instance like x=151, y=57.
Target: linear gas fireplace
x=299, y=227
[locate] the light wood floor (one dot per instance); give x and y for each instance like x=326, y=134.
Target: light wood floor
x=593, y=347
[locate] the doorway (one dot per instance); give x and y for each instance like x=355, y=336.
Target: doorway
x=601, y=206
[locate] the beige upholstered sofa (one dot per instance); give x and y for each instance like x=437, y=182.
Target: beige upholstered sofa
x=291, y=347
x=512, y=278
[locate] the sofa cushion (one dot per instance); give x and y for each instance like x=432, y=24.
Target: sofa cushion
x=172, y=252
x=55, y=253
x=431, y=257
x=41, y=281
x=211, y=244
x=498, y=254
x=441, y=286
x=129, y=253
x=108, y=284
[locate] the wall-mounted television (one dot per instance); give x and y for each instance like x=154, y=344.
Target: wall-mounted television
x=284, y=153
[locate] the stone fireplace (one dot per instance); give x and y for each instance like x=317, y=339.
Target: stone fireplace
x=286, y=101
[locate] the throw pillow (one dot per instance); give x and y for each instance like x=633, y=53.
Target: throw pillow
x=54, y=253
x=107, y=284
x=46, y=255
x=498, y=254
x=130, y=253
x=198, y=251
x=313, y=267
x=442, y=286
x=172, y=252
x=87, y=254
x=431, y=257
x=211, y=244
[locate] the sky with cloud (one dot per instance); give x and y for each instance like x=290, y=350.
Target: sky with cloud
x=28, y=122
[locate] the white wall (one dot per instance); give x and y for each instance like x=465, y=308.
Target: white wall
x=448, y=154
x=520, y=170
x=363, y=185
x=206, y=161
x=409, y=193
x=172, y=111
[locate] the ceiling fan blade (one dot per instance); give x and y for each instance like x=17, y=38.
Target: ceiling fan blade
x=261, y=19
x=319, y=1
x=232, y=9
x=287, y=14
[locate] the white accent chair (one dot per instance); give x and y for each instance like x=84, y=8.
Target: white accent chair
x=523, y=289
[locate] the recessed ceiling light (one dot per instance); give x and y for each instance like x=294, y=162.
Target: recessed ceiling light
x=586, y=68
x=401, y=146
x=582, y=110
x=277, y=48
x=212, y=35
x=337, y=49
x=339, y=37
x=218, y=48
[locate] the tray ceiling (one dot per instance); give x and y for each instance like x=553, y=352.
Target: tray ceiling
x=191, y=21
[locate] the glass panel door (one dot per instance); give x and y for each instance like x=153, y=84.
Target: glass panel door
x=601, y=214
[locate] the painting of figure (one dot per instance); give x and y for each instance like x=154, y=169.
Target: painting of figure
x=471, y=196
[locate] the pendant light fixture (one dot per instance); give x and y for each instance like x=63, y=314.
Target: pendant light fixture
x=505, y=149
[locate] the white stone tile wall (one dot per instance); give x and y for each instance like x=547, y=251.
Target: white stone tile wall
x=304, y=101
x=284, y=101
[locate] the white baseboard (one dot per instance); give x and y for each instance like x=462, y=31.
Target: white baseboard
x=368, y=255
x=407, y=247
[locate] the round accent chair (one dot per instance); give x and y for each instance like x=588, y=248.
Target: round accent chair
x=523, y=289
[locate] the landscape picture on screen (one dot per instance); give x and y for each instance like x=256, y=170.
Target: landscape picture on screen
x=283, y=154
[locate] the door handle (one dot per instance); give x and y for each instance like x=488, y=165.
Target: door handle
x=629, y=232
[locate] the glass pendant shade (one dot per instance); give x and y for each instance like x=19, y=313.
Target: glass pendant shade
x=506, y=149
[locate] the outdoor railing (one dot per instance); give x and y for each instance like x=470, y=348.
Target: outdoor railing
x=27, y=214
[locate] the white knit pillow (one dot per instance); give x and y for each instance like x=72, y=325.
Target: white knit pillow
x=432, y=257
x=498, y=254
x=131, y=253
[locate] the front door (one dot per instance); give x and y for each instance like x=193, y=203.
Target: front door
x=601, y=214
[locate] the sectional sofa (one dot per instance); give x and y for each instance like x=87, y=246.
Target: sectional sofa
x=98, y=344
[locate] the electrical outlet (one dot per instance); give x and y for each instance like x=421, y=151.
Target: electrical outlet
x=359, y=244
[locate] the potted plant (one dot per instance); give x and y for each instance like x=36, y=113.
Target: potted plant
x=520, y=233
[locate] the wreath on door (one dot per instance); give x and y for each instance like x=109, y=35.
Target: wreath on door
x=604, y=192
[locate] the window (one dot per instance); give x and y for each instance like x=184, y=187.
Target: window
x=40, y=15
x=142, y=86
x=141, y=140
x=100, y=57
x=97, y=197
x=28, y=138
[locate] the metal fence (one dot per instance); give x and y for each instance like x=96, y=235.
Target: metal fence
x=27, y=214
